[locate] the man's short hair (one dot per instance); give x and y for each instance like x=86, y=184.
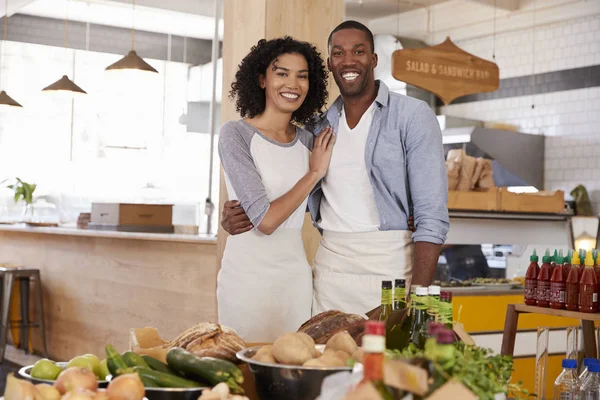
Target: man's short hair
x=353, y=25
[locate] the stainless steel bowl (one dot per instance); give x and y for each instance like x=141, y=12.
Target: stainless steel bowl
x=173, y=393
x=151, y=393
x=25, y=373
x=290, y=382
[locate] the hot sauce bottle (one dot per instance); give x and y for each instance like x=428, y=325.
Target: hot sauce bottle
x=572, y=287
x=531, y=279
x=558, y=284
x=567, y=263
x=543, y=281
x=588, y=287
x=582, y=255
x=553, y=261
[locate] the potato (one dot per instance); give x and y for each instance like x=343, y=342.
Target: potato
x=332, y=360
x=315, y=362
x=358, y=355
x=265, y=349
x=292, y=349
x=266, y=357
x=306, y=339
x=342, y=341
x=341, y=355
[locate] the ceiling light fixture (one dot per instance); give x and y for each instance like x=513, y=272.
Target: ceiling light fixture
x=5, y=99
x=132, y=61
x=64, y=84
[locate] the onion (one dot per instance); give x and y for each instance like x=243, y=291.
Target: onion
x=75, y=378
x=126, y=387
x=47, y=392
x=17, y=389
x=101, y=395
x=79, y=395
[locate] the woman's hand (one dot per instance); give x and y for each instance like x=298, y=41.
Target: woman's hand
x=321, y=153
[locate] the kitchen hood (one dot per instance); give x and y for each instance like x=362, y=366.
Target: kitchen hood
x=517, y=158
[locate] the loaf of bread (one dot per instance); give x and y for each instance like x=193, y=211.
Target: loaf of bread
x=323, y=326
x=210, y=340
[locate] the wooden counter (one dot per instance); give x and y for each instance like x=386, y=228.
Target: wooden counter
x=98, y=285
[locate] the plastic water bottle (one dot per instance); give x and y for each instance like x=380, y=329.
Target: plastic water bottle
x=590, y=390
x=585, y=373
x=567, y=384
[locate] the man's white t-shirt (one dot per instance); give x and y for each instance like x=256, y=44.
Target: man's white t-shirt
x=348, y=204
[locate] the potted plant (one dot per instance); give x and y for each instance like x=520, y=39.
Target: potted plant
x=24, y=191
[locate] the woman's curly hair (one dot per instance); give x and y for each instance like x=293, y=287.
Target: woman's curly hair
x=250, y=98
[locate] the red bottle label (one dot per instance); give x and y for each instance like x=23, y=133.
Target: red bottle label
x=530, y=291
x=572, y=296
x=588, y=300
x=543, y=293
x=557, y=294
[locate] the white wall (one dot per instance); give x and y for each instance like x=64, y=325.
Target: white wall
x=570, y=119
x=567, y=36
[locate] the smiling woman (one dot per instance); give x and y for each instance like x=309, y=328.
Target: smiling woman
x=269, y=168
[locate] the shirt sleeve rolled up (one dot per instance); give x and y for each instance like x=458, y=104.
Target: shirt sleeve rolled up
x=427, y=177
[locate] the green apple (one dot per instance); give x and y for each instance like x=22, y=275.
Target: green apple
x=95, y=362
x=103, y=370
x=81, y=362
x=45, y=369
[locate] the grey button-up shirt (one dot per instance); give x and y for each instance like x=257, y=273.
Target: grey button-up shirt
x=405, y=162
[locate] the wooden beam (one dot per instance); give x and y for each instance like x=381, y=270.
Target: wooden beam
x=508, y=5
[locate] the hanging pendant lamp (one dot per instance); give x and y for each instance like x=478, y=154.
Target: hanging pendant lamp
x=64, y=84
x=132, y=61
x=5, y=99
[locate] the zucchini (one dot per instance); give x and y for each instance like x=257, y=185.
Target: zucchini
x=115, y=363
x=134, y=360
x=211, y=370
x=161, y=379
x=157, y=365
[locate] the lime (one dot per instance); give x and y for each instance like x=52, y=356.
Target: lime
x=103, y=370
x=95, y=362
x=45, y=369
x=81, y=362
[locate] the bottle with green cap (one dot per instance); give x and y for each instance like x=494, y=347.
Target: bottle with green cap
x=553, y=261
x=558, y=283
x=567, y=263
x=543, y=281
x=531, y=279
x=582, y=254
x=572, y=288
x=588, y=287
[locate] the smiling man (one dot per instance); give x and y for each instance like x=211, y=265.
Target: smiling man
x=387, y=165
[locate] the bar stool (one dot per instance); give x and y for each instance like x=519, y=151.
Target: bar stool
x=24, y=275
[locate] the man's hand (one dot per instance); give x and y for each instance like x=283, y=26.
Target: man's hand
x=233, y=218
x=411, y=224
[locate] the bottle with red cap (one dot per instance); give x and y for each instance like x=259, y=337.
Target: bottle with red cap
x=531, y=279
x=373, y=345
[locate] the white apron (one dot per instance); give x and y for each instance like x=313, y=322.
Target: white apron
x=349, y=268
x=264, y=288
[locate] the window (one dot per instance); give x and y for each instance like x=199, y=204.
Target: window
x=123, y=136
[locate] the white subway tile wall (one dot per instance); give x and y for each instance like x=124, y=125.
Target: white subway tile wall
x=569, y=119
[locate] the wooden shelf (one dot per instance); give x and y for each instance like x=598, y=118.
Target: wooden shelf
x=522, y=308
x=512, y=321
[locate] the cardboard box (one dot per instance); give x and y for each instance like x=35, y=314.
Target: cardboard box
x=479, y=201
x=541, y=202
x=132, y=214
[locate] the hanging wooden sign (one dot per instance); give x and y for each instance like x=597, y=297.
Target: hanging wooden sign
x=445, y=70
